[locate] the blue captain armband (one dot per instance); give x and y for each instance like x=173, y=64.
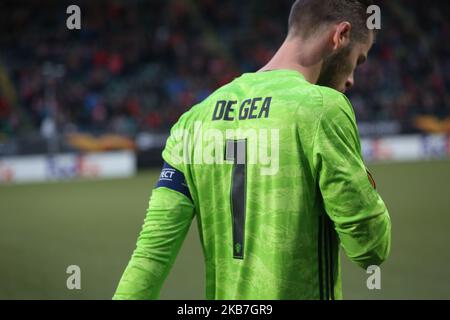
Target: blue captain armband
x=173, y=179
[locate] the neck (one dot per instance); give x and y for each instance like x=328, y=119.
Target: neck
x=298, y=55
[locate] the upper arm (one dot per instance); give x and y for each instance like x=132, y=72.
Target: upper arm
x=342, y=175
x=350, y=199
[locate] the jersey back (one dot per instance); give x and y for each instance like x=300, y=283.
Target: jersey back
x=249, y=155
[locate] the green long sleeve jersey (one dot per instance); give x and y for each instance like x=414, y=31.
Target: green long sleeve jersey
x=276, y=180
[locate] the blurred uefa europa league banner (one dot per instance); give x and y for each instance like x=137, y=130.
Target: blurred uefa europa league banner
x=406, y=148
x=123, y=163
x=67, y=166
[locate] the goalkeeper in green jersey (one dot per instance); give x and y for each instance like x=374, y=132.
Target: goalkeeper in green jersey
x=271, y=167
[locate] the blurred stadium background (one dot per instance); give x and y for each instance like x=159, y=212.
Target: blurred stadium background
x=84, y=115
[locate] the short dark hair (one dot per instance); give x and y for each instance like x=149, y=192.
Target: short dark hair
x=308, y=15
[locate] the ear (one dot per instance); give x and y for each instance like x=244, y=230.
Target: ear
x=341, y=36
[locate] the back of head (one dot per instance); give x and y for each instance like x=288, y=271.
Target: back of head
x=310, y=16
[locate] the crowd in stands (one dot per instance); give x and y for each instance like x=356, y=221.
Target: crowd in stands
x=138, y=65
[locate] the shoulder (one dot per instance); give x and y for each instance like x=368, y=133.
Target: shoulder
x=335, y=104
x=189, y=116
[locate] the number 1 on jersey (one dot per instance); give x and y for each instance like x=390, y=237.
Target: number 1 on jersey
x=236, y=151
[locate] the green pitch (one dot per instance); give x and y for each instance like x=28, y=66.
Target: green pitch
x=44, y=228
